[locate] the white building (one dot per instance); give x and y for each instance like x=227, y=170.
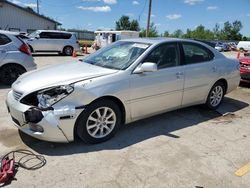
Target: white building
x=16, y=18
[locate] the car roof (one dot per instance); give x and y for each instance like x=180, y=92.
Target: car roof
x=159, y=40
x=55, y=31
x=9, y=32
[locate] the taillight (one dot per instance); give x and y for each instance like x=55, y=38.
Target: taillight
x=25, y=49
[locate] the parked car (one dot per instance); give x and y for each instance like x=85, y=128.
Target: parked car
x=244, y=45
x=121, y=83
x=232, y=46
x=53, y=41
x=221, y=47
x=245, y=68
x=209, y=43
x=15, y=57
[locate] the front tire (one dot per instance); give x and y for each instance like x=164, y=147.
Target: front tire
x=9, y=73
x=215, y=96
x=99, y=122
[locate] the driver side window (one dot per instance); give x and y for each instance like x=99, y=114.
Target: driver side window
x=165, y=56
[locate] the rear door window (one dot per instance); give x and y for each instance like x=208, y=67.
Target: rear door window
x=65, y=35
x=44, y=35
x=4, y=39
x=196, y=53
x=54, y=35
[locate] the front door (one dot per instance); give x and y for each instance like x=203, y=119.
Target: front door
x=154, y=92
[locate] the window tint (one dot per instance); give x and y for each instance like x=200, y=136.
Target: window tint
x=195, y=53
x=44, y=35
x=54, y=35
x=165, y=55
x=4, y=39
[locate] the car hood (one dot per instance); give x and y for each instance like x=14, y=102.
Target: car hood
x=58, y=75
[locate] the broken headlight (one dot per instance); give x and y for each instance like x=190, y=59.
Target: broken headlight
x=48, y=97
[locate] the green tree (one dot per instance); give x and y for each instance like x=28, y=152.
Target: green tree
x=199, y=33
x=134, y=25
x=178, y=34
x=166, y=34
x=124, y=24
x=188, y=34
x=217, y=31
x=231, y=31
x=152, y=31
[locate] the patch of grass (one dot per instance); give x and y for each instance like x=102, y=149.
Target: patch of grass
x=84, y=42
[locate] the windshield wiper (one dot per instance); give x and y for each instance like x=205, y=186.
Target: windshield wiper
x=110, y=67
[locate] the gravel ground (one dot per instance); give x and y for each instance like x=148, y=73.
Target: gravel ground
x=191, y=147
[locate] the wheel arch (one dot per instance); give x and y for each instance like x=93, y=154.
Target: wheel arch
x=67, y=46
x=116, y=100
x=224, y=81
x=31, y=48
x=16, y=64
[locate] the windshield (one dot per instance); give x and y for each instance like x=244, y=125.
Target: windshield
x=119, y=55
x=34, y=34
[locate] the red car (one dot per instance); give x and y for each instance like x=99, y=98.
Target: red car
x=245, y=67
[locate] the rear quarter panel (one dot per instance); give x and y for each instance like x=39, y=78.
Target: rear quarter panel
x=228, y=69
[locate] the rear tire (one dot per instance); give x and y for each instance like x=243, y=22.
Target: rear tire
x=215, y=96
x=9, y=73
x=99, y=122
x=68, y=50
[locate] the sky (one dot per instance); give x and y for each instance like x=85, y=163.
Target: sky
x=167, y=15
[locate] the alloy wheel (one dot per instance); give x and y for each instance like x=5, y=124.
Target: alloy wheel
x=68, y=51
x=216, y=96
x=101, y=122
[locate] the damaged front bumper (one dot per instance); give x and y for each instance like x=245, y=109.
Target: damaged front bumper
x=53, y=124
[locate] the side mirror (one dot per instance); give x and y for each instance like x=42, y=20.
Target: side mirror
x=37, y=37
x=146, y=67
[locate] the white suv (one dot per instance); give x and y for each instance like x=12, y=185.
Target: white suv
x=53, y=41
x=15, y=57
x=244, y=45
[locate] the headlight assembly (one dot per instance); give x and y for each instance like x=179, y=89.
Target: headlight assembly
x=50, y=96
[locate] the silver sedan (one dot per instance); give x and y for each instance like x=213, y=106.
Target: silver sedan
x=121, y=83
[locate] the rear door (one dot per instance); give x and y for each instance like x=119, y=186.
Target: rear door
x=60, y=40
x=200, y=72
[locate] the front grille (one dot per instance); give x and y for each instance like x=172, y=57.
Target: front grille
x=17, y=95
x=243, y=65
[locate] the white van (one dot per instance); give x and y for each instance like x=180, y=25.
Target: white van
x=103, y=38
x=244, y=45
x=53, y=41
